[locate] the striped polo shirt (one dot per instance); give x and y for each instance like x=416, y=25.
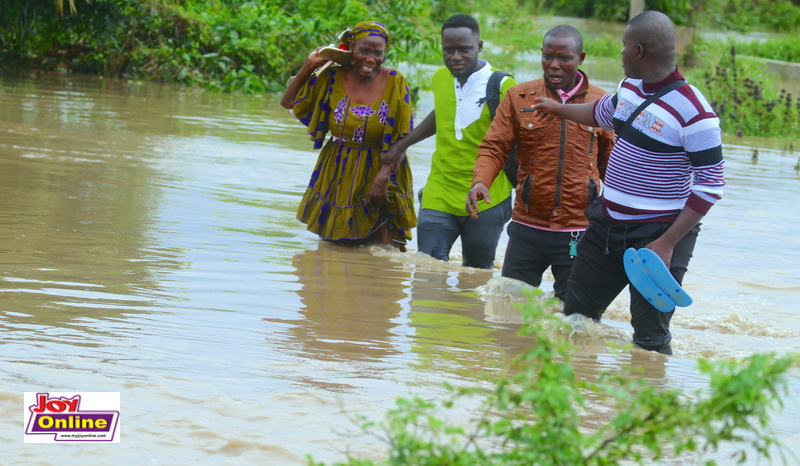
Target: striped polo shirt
x=670, y=157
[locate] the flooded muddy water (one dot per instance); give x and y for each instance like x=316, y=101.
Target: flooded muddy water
x=148, y=246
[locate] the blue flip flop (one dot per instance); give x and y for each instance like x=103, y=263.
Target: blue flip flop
x=650, y=276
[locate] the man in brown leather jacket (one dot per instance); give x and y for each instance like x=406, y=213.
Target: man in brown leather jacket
x=561, y=164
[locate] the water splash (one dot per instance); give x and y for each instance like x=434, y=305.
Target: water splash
x=503, y=287
x=733, y=324
x=583, y=326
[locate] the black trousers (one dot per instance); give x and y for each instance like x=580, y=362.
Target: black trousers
x=598, y=275
x=530, y=251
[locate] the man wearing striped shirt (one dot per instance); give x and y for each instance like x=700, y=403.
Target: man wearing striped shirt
x=663, y=175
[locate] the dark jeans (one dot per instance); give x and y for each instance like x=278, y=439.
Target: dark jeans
x=530, y=251
x=437, y=231
x=598, y=275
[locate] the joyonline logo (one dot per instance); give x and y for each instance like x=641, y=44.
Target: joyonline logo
x=69, y=417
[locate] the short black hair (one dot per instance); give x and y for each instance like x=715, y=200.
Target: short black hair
x=565, y=30
x=655, y=31
x=648, y=17
x=462, y=21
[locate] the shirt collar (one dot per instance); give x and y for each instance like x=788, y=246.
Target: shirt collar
x=566, y=95
x=478, y=75
x=651, y=88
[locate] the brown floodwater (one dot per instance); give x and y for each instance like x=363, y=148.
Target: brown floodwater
x=148, y=246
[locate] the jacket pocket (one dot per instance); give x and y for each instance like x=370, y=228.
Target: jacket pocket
x=528, y=123
x=526, y=191
x=589, y=129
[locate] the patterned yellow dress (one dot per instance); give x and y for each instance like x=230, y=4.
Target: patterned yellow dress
x=335, y=204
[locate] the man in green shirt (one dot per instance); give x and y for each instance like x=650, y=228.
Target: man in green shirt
x=459, y=120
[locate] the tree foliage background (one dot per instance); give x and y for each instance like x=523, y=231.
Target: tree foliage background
x=255, y=45
x=251, y=46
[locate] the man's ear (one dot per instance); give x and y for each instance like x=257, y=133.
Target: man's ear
x=480, y=46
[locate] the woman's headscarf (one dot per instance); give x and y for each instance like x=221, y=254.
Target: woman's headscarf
x=365, y=29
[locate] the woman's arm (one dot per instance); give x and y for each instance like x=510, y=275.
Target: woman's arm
x=313, y=62
x=423, y=131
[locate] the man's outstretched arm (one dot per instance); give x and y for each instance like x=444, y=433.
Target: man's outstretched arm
x=580, y=113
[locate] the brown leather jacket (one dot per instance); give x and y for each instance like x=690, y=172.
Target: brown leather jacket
x=560, y=162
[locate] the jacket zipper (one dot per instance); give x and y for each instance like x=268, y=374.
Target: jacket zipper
x=561, y=161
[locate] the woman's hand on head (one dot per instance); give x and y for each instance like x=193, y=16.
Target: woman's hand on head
x=314, y=59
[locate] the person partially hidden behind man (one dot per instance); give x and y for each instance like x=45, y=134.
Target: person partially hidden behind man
x=561, y=164
x=459, y=119
x=664, y=174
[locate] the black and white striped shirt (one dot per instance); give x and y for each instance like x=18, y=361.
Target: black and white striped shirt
x=670, y=157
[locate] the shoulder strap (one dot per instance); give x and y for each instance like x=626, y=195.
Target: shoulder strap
x=492, y=98
x=664, y=90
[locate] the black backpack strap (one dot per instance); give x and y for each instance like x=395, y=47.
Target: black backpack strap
x=492, y=98
x=661, y=92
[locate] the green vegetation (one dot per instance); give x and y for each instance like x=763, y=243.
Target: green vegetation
x=787, y=49
x=254, y=46
x=749, y=15
x=735, y=15
x=746, y=99
x=518, y=38
x=533, y=415
x=229, y=45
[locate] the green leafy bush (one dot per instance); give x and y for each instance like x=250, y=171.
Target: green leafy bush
x=533, y=415
x=606, y=10
x=254, y=46
x=746, y=99
x=749, y=15
x=786, y=49
x=250, y=46
x=738, y=15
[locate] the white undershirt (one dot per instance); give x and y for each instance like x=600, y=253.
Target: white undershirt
x=467, y=96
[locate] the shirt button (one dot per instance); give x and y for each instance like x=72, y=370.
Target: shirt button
x=530, y=125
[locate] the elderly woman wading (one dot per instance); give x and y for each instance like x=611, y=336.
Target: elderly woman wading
x=352, y=197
